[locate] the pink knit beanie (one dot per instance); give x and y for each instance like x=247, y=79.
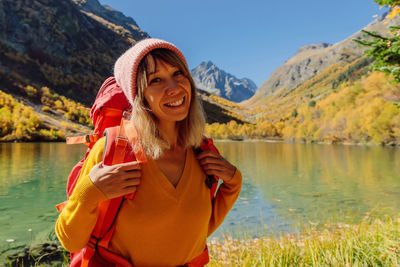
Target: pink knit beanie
x=126, y=66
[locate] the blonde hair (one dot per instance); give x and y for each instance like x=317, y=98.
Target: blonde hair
x=190, y=129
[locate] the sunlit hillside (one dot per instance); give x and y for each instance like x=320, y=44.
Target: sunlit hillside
x=52, y=119
x=364, y=111
x=282, y=104
x=344, y=103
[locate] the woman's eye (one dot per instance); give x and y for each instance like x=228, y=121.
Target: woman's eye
x=178, y=72
x=154, y=80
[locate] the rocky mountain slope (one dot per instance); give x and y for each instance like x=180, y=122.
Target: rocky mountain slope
x=312, y=59
x=112, y=19
x=208, y=77
x=57, y=44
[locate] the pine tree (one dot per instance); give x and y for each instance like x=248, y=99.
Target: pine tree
x=385, y=49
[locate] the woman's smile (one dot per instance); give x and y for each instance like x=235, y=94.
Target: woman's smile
x=168, y=93
x=175, y=104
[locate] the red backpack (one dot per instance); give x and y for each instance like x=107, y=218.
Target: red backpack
x=109, y=115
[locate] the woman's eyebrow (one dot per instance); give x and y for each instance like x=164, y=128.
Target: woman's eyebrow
x=152, y=72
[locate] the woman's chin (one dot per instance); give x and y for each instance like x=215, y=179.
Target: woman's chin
x=175, y=114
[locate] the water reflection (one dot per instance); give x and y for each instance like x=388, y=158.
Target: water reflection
x=304, y=185
x=286, y=187
x=32, y=182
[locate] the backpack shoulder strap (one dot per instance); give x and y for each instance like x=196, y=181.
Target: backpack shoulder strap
x=115, y=146
x=116, y=150
x=83, y=139
x=103, y=230
x=212, y=181
x=114, y=153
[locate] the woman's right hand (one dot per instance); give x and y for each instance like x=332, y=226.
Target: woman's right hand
x=116, y=180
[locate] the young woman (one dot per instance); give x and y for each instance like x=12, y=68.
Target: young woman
x=171, y=216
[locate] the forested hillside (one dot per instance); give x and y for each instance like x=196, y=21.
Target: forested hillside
x=52, y=122
x=342, y=104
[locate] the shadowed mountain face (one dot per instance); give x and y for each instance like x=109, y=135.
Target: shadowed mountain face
x=312, y=59
x=210, y=78
x=65, y=46
x=112, y=19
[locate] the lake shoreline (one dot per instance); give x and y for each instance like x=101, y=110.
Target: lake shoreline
x=49, y=252
x=251, y=140
x=280, y=140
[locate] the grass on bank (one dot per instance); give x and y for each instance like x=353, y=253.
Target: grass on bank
x=373, y=242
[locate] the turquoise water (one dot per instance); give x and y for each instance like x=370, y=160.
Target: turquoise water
x=287, y=187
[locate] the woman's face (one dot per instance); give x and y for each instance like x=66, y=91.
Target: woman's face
x=168, y=91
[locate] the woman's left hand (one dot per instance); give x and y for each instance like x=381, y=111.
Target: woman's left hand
x=214, y=164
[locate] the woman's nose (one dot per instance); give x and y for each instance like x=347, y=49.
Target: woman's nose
x=172, y=86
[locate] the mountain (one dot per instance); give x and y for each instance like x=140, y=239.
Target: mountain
x=68, y=46
x=312, y=59
x=112, y=19
x=210, y=78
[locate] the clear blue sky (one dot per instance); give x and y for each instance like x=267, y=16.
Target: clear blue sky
x=247, y=38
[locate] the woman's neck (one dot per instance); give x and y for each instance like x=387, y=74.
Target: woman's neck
x=169, y=132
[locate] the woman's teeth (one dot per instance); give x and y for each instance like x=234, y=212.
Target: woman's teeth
x=176, y=103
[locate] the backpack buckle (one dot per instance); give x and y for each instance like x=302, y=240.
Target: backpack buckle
x=93, y=242
x=121, y=141
x=210, y=180
x=91, y=138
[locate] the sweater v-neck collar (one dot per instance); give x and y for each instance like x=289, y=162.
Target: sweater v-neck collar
x=160, y=178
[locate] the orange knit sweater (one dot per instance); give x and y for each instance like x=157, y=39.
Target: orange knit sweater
x=162, y=225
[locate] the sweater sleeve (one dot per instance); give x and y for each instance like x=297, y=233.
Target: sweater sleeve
x=77, y=220
x=226, y=196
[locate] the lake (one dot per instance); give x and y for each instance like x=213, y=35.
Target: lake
x=286, y=187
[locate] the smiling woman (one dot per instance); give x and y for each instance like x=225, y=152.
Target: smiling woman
x=168, y=93
x=168, y=221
